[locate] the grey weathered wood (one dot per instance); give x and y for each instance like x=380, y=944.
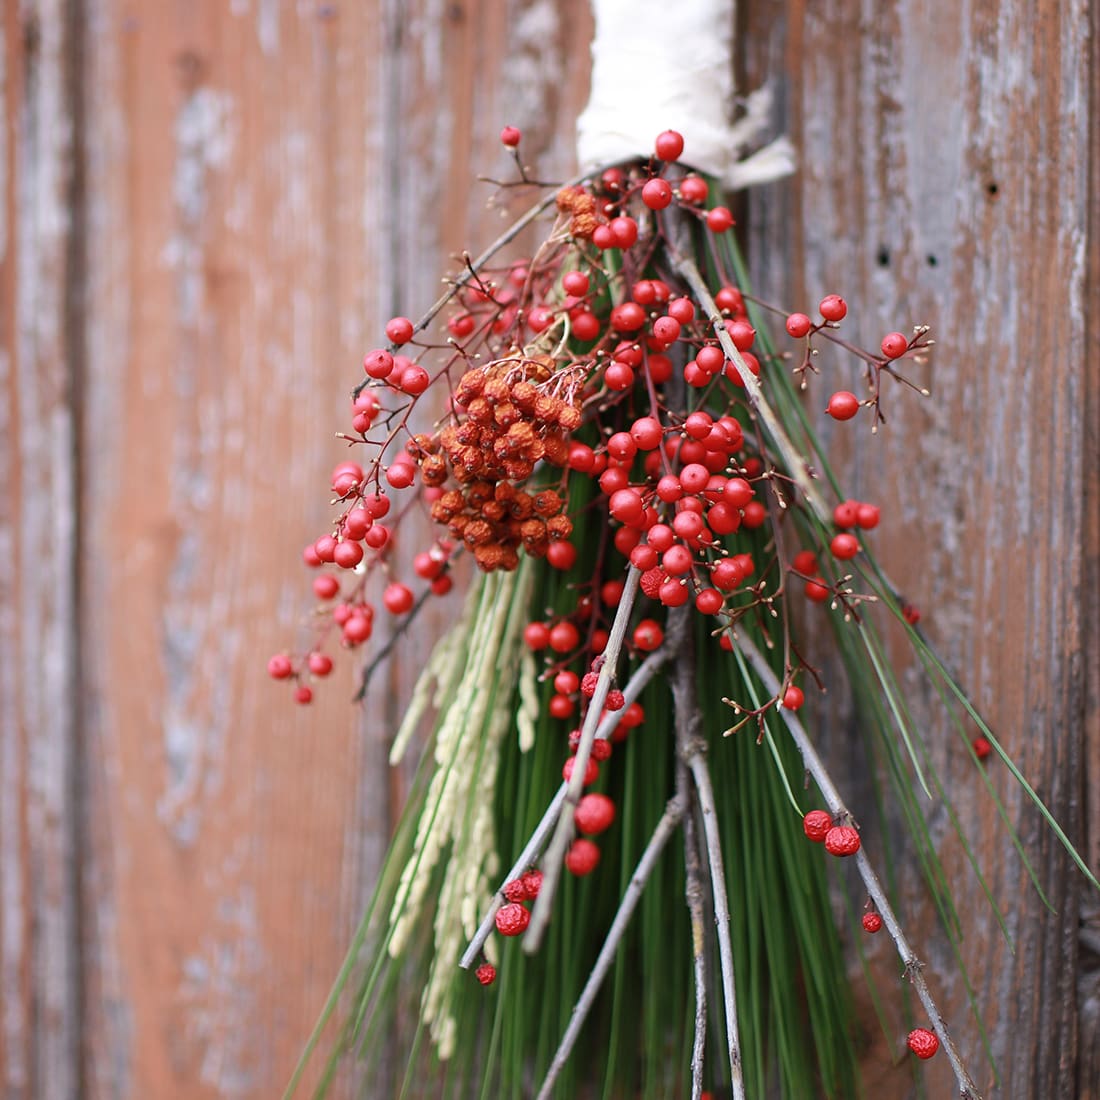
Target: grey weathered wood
x=945, y=179
x=40, y=1023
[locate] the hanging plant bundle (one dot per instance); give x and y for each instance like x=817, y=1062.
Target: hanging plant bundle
x=612, y=874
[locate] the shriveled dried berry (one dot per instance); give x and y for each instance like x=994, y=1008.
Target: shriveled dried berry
x=842, y=840
x=922, y=1042
x=816, y=825
x=512, y=919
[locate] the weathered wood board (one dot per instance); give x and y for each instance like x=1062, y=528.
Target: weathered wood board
x=207, y=210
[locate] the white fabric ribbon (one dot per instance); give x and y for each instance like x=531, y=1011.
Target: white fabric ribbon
x=669, y=66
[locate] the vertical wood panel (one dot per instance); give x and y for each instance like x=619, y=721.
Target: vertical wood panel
x=944, y=179
x=39, y=918
x=268, y=183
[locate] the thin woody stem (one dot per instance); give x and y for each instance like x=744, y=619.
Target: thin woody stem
x=660, y=837
x=563, y=834
x=691, y=746
x=693, y=895
x=912, y=964
x=531, y=851
x=473, y=267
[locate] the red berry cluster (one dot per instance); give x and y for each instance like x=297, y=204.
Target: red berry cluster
x=839, y=840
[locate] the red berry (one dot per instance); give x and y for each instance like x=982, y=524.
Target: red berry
x=575, y=283
x=583, y=857
x=910, y=613
x=601, y=748
x=843, y=405
x=833, y=307
x=694, y=189
x=867, y=516
x=399, y=330
x=536, y=636
x=586, y=326
x=625, y=231
x=560, y=706
x=510, y=136
x=513, y=890
x=742, y=334
x=709, y=601
x=588, y=684
x=512, y=919
x=669, y=145
x=303, y=694
x=657, y=194
x=325, y=586
x=594, y=813
x=378, y=363
x=532, y=883
x=816, y=825
x=666, y=330
x=591, y=772
x=922, y=1042
x=982, y=748
x=486, y=973
x=628, y=317
x=894, y=345
x=846, y=514
x=798, y=325
x=320, y=664
x=279, y=667
x=805, y=562
x=615, y=700
x=844, y=546
x=842, y=840
x=648, y=636
x=793, y=697
x=719, y=219
x=564, y=637
x=872, y=922
x=754, y=514
x=398, y=598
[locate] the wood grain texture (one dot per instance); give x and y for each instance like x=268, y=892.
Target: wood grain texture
x=945, y=164
x=40, y=1019
x=267, y=183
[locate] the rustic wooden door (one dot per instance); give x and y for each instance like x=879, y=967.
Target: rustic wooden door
x=208, y=208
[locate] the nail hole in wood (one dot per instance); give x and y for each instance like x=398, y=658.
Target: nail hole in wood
x=883, y=257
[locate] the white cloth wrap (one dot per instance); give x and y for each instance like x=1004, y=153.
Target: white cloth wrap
x=669, y=66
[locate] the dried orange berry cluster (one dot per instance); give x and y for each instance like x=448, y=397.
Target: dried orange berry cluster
x=518, y=411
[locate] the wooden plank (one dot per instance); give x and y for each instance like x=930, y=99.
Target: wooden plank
x=267, y=184
x=944, y=179
x=39, y=802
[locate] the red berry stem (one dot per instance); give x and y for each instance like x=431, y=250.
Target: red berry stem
x=794, y=462
x=563, y=834
x=473, y=266
x=532, y=850
x=914, y=968
x=661, y=835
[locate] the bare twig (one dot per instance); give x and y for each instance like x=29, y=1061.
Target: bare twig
x=661, y=834
x=531, y=851
x=555, y=854
x=473, y=267
x=691, y=747
x=912, y=964
x=693, y=893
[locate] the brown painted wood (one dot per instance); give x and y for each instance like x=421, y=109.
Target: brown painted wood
x=945, y=179
x=267, y=183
